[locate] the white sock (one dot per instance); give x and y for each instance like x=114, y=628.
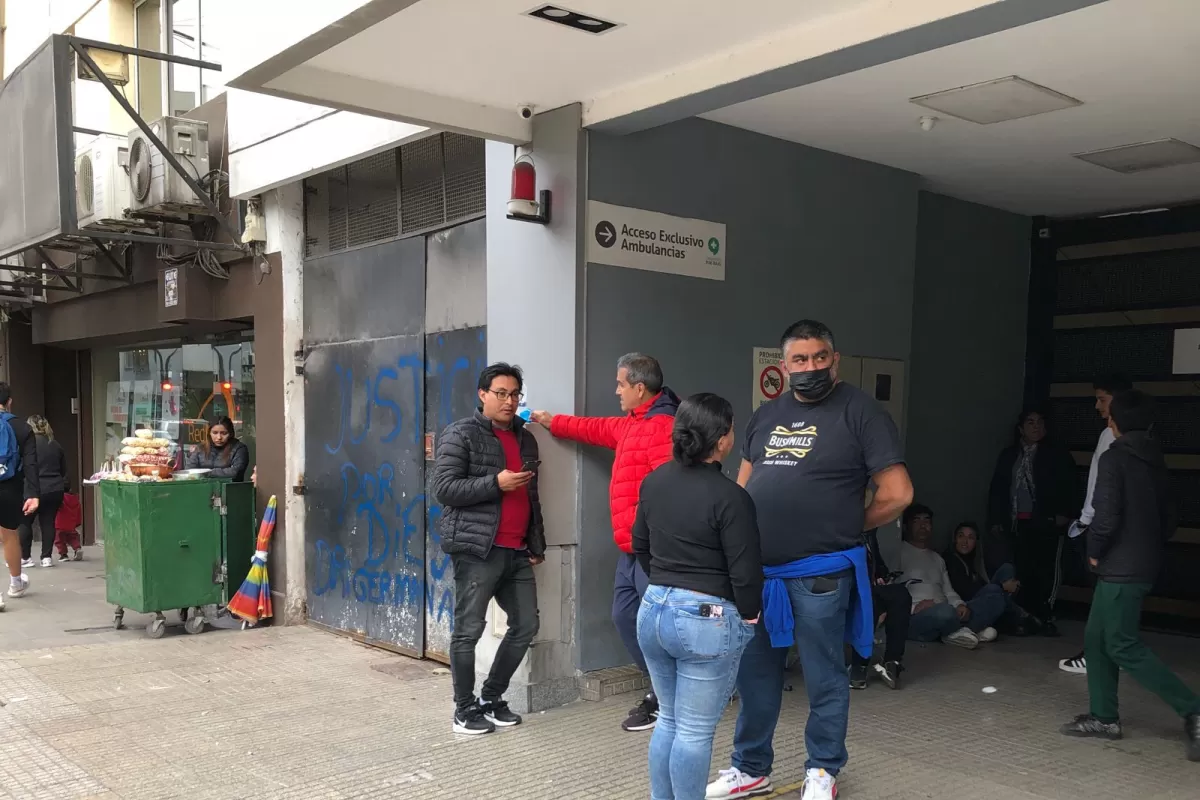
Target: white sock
x=16, y=581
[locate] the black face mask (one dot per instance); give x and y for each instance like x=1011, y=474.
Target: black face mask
x=813, y=384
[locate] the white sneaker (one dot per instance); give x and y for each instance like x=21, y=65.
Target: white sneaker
x=1076, y=665
x=733, y=782
x=28, y=562
x=963, y=637
x=20, y=589
x=47, y=562
x=1, y=601
x=819, y=785
x=987, y=635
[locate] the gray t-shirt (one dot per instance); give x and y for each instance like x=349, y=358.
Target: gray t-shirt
x=812, y=463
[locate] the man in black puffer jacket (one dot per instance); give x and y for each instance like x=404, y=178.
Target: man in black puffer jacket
x=1125, y=545
x=485, y=477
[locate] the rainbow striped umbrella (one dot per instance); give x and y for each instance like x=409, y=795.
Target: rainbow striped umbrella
x=252, y=603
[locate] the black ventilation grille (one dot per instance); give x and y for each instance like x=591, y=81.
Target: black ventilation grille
x=421, y=186
x=1075, y=424
x=1162, y=279
x=1141, y=353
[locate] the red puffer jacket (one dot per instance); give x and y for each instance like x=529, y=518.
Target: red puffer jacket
x=642, y=440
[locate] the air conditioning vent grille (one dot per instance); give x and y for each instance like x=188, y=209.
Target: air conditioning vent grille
x=85, y=187
x=139, y=169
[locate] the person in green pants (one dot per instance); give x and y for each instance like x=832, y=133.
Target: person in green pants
x=1125, y=544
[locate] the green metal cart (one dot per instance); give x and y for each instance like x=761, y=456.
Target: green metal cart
x=180, y=545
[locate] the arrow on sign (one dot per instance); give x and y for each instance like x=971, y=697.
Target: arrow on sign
x=606, y=234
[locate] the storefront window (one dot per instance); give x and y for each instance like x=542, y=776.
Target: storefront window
x=175, y=390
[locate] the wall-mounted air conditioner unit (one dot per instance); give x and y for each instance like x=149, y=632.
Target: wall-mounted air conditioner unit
x=154, y=186
x=101, y=187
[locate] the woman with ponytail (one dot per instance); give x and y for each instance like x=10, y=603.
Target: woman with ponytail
x=696, y=536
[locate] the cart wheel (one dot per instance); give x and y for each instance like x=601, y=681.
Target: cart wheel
x=157, y=628
x=119, y=619
x=194, y=624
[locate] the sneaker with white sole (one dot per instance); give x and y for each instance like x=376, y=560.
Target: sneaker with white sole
x=78, y=556
x=28, y=562
x=19, y=589
x=963, y=637
x=988, y=634
x=472, y=722
x=499, y=714
x=47, y=562
x=819, y=785
x=643, y=716
x=1076, y=665
x=733, y=782
x=63, y=558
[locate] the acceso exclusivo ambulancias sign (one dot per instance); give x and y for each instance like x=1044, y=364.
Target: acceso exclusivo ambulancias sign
x=639, y=239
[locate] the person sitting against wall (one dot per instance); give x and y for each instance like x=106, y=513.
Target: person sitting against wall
x=938, y=612
x=223, y=454
x=966, y=566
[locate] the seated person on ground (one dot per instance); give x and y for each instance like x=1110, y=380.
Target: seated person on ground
x=965, y=565
x=938, y=612
x=893, y=605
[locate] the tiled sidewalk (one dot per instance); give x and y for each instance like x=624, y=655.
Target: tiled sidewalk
x=295, y=713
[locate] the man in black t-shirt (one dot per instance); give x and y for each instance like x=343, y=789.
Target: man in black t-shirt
x=807, y=460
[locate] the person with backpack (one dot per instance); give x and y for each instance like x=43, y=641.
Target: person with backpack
x=52, y=481
x=19, y=488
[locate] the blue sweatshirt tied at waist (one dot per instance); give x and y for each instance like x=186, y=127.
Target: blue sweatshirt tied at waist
x=777, y=604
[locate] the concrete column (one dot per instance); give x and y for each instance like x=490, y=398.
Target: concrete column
x=284, y=211
x=534, y=319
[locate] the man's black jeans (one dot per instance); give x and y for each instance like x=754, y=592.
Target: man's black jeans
x=507, y=576
x=894, y=599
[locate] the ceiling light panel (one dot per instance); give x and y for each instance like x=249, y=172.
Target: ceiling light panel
x=572, y=19
x=1130, y=158
x=996, y=101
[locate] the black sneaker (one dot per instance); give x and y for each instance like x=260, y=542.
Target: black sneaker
x=643, y=716
x=472, y=722
x=1191, y=727
x=889, y=673
x=858, y=676
x=1076, y=664
x=498, y=713
x=1087, y=726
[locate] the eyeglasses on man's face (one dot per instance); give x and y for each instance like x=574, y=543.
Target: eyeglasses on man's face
x=503, y=395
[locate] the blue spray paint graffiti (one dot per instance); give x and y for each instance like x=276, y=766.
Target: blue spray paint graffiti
x=378, y=552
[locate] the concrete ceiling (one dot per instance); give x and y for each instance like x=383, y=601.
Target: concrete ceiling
x=467, y=64
x=1133, y=63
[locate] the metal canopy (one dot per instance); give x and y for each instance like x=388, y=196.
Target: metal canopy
x=37, y=169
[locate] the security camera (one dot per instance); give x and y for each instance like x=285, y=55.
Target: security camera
x=525, y=112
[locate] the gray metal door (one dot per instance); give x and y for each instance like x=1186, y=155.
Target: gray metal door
x=455, y=354
x=364, y=313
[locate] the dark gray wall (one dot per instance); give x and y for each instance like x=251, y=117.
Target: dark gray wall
x=968, y=351
x=810, y=234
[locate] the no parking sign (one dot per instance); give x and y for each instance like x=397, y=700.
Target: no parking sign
x=768, y=376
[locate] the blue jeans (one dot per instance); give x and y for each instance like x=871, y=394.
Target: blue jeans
x=820, y=636
x=629, y=585
x=693, y=661
x=987, y=606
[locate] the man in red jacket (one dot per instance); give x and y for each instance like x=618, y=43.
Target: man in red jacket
x=642, y=441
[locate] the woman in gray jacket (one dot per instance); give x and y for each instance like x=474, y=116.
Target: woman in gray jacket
x=223, y=453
